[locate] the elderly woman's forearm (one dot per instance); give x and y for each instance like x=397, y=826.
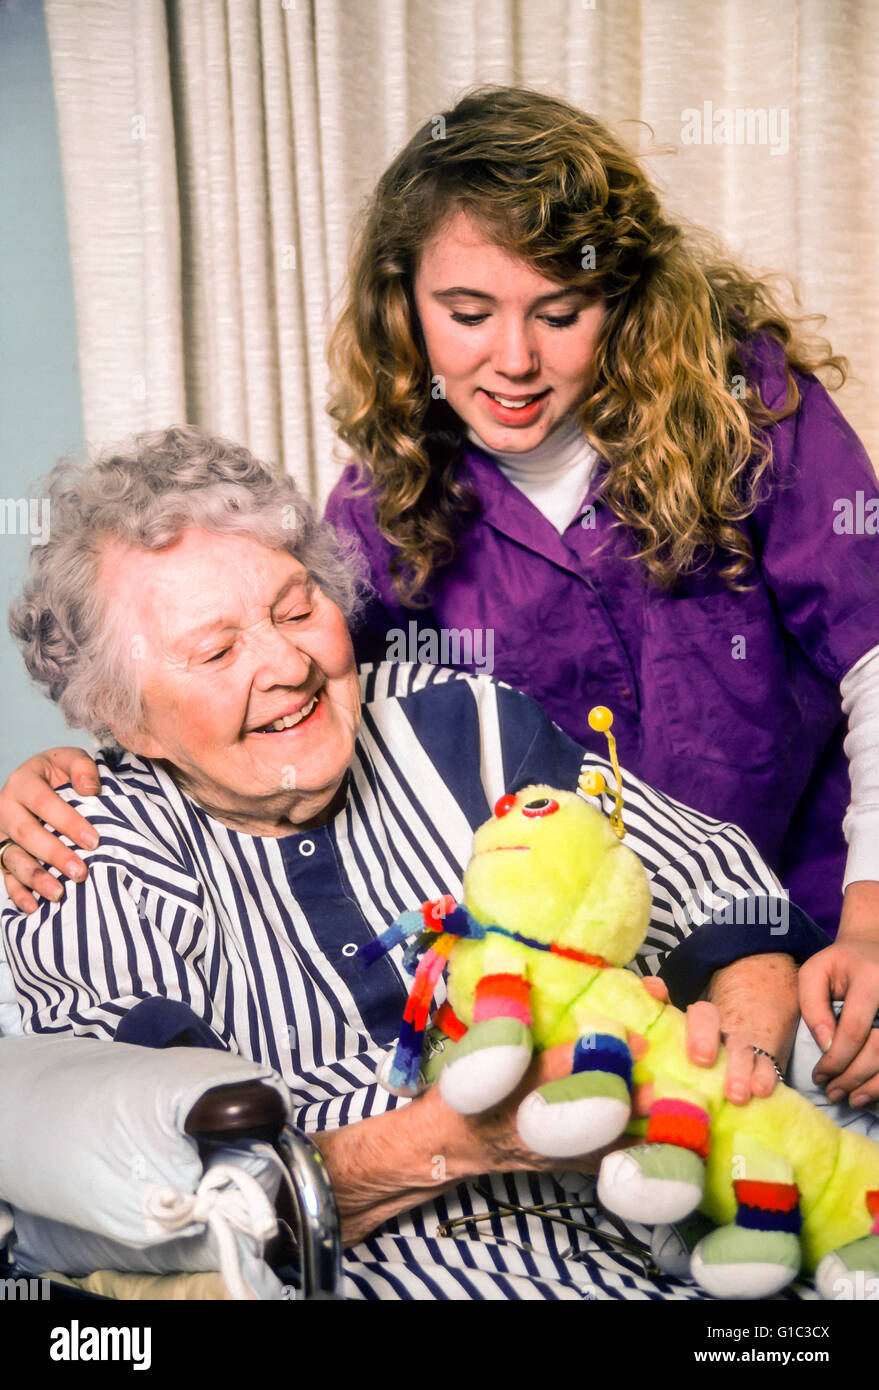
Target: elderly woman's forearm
x=389, y=1163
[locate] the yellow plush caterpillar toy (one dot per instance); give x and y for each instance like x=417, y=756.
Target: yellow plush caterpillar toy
x=554, y=906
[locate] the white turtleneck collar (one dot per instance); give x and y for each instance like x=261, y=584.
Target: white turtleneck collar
x=555, y=475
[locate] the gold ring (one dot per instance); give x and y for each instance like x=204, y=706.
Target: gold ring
x=4, y=845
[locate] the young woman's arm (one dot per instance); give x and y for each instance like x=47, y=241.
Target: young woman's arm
x=848, y=970
x=27, y=800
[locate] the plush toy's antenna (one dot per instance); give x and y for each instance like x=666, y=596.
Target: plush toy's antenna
x=593, y=783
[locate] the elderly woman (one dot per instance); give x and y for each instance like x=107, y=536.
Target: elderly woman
x=264, y=812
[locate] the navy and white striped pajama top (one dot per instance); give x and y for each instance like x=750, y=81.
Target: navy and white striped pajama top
x=258, y=937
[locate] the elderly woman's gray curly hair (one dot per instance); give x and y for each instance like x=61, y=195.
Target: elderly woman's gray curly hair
x=145, y=498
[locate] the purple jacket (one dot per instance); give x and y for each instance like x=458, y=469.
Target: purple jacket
x=728, y=702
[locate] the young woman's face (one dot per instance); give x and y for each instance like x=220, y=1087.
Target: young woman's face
x=513, y=350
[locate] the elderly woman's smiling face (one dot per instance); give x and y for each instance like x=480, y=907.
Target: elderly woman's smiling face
x=234, y=639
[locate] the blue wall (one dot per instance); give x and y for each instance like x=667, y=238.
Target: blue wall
x=40, y=411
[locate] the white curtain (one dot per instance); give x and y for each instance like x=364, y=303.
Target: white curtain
x=216, y=152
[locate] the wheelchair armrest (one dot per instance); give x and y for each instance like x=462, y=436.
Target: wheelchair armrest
x=251, y=1110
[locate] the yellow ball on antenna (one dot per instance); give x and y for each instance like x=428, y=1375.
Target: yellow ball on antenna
x=600, y=719
x=592, y=783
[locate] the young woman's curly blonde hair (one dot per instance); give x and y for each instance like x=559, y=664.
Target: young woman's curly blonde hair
x=687, y=453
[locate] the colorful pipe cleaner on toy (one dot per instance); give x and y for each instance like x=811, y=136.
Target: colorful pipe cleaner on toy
x=449, y=1023
x=435, y=926
x=457, y=921
x=410, y=1045
x=423, y=923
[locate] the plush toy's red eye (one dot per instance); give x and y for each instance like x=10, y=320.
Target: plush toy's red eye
x=544, y=807
x=504, y=804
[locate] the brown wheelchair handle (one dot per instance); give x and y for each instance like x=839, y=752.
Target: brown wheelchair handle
x=242, y=1105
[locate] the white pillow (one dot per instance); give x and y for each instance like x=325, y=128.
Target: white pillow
x=99, y=1173
x=37, y=1246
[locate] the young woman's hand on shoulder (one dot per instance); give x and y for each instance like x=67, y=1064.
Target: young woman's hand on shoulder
x=28, y=802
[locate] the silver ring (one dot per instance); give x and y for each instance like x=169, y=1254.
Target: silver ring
x=4, y=845
x=758, y=1051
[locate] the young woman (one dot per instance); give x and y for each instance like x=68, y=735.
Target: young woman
x=594, y=459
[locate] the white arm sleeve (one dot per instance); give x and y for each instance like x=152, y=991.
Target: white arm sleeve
x=860, y=701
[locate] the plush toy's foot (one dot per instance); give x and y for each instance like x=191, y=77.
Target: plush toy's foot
x=574, y=1115
x=651, y=1183
x=488, y=1063
x=735, y=1262
x=851, y=1272
x=672, y=1246
x=438, y=1048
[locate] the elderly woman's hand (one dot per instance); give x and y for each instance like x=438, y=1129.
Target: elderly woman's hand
x=757, y=1004
x=392, y=1162
x=490, y=1142
x=26, y=801
x=389, y=1163
x=749, y=1073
